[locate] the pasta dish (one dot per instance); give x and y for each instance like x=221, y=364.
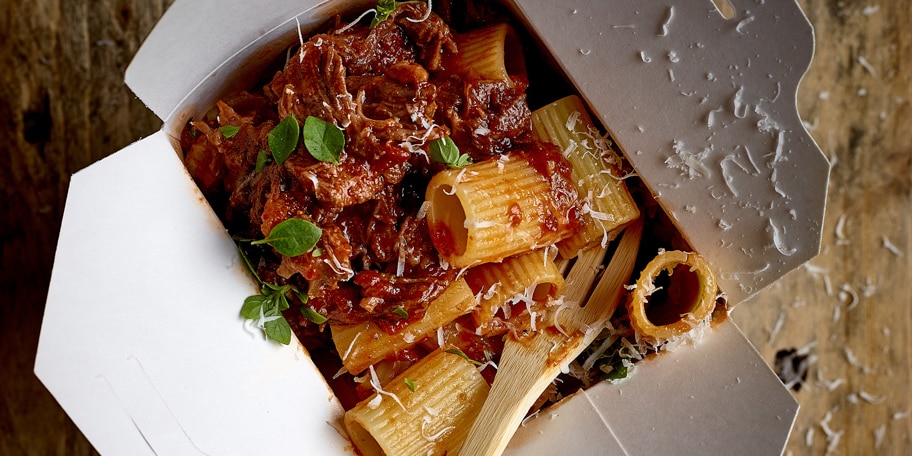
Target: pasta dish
x=409, y=189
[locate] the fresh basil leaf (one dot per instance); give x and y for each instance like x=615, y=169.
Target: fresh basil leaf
x=323, y=140
x=312, y=315
x=400, y=311
x=252, y=305
x=229, y=131
x=444, y=150
x=283, y=138
x=278, y=330
x=410, y=384
x=458, y=352
x=261, y=161
x=292, y=237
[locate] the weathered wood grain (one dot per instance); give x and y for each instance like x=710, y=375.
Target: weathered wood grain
x=850, y=309
x=63, y=105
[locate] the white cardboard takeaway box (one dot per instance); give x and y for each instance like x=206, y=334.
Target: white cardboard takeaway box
x=142, y=343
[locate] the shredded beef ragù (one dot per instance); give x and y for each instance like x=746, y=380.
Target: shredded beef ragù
x=389, y=89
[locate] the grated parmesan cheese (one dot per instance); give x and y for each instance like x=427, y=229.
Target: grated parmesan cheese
x=832, y=437
x=375, y=383
x=890, y=246
x=663, y=31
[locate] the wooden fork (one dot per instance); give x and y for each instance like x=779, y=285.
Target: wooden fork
x=527, y=366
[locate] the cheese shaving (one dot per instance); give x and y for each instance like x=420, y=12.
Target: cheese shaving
x=890, y=246
x=434, y=437
x=427, y=14
x=354, y=22
x=351, y=346
x=850, y=357
x=832, y=437
x=665, y=25
x=375, y=383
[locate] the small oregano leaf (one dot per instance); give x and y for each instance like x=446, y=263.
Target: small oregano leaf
x=292, y=237
x=252, y=305
x=261, y=161
x=278, y=330
x=323, y=140
x=384, y=9
x=229, y=131
x=283, y=138
x=444, y=150
x=458, y=352
x=312, y=315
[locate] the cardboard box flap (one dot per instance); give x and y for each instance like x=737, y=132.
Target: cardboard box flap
x=705, y=109
x=202, y=49
x=718, y=397
x=142, y=342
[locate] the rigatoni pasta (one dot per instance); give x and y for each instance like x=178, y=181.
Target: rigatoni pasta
x=527, y=279
x=364, y=344
x=488, y=211
x=428, y=409
x=684, y=299
x=609, y=204
x=491, y=52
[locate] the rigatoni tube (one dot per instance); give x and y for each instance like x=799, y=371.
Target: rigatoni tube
x=428, y=409
x=675, y=293
x=609, y=205
x=490, y=210
x=363, y=344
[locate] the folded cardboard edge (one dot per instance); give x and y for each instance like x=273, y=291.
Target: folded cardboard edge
x=142, y=342
x=708, y=391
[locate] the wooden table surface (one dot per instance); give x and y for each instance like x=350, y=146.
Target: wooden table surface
x=846, y=315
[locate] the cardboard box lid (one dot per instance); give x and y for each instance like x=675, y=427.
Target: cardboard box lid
x=704, y=108
x=142, y=343
x=715, y=398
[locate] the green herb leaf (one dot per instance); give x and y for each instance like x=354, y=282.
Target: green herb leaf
x=229, y=131
x=281, y=300
x=252, y=305
x=384, y=9
x=283, y=138
x=312, y=315
x=278, y=330
x=458, y=352
x=410, y=384
x=323, y=140
x=400, y=311
x=444, y=151
x=261, y=161
x=266, y=310
x=292, y=237
x=617, y=373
